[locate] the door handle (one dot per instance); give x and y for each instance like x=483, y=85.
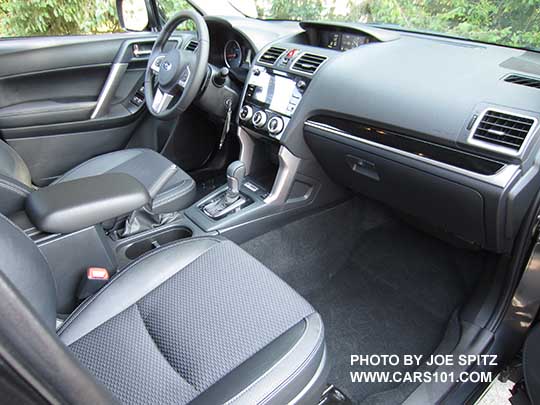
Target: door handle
x=138, y=52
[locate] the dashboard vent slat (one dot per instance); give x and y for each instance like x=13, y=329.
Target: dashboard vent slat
x=308, y=63
x=503, y=129
x=523, y=81
x=192, y=45
x=271, y=55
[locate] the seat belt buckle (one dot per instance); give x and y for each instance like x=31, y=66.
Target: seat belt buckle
x=94, y=279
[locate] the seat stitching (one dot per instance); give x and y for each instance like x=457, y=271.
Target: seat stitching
x=90, y=299
x=273, y=393
x=13, y=187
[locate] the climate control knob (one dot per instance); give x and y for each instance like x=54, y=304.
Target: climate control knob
x=246, y=113
x=259, y=119
x=275, y=125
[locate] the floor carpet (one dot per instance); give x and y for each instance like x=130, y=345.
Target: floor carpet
x=381, y=286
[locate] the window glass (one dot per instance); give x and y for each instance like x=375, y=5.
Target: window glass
x=24, y=18
x=171, y=7
x=505, y=22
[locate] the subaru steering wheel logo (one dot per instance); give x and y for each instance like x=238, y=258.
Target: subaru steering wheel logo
x=166, y=65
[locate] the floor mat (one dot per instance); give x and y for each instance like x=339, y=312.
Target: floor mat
x=381, y=286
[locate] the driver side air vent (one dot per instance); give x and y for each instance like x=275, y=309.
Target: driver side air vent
x=308, y=63
x=523, y=81
x=502, y=129
x=192, y=45
x=271, y=55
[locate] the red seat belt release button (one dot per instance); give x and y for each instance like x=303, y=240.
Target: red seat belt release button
x=96, y=278
x=97, y=273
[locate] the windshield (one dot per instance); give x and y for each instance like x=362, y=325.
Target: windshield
x=505, y=22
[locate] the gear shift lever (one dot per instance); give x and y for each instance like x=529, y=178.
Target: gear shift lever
x=231, y=200
x=235, y=178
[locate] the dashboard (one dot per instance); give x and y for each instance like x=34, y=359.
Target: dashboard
x=443, y=130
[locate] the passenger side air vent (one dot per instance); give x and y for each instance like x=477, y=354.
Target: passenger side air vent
x=271, y=55
x=192, y=45
x=523, y=81
x=308, y=63
x=502, y=130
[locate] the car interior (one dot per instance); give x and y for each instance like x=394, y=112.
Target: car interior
x=267, y=198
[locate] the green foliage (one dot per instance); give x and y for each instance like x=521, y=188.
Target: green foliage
x=508, y=22
x=57, y=17
x=171, y=7
x=296, y=9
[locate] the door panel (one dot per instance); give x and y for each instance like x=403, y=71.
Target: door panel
x=64, y=100
x=50, y=156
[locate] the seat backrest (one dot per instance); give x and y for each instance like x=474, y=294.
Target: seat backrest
x=13, y=166
x=15, y=180
x=22, y=263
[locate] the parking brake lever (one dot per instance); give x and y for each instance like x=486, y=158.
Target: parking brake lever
x=144, y=218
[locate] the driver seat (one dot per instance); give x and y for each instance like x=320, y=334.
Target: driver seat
x=147, y=166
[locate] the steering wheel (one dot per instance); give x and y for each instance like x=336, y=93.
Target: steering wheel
x=179, y=72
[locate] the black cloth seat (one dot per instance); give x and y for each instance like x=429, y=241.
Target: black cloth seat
x=197, y=321
x=145, y=165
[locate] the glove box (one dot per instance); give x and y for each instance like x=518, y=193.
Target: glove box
x=439, y=202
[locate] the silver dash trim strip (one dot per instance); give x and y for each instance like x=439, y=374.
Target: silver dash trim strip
x=500, y=179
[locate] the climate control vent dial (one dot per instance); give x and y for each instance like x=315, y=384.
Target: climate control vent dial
x=275, y=125
x=259, y=119
x=246, y=113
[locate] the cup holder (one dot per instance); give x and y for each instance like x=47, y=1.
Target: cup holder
x=157, y=240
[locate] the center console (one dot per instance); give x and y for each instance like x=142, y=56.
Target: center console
x=271, y=99
x=269, y=184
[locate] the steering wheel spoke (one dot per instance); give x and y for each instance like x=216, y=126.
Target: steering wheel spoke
x=184, y=77
x=161, y=101
x=174, y=76
x=156, y=64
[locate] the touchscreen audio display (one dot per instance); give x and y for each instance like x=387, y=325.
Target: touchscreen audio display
x=274, y=91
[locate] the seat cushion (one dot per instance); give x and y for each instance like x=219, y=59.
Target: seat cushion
x=147, y=166
x=198, y=319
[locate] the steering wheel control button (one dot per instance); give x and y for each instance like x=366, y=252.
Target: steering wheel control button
x=275, y=125
x=184, y=77
x=259, y=119
x=246, y=113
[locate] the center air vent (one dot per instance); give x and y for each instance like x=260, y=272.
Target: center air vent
x=502, y=130
x=192, y=45
x=308, y=63
x=523, y=81
x=271, y=55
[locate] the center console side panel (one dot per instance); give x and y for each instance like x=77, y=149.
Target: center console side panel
x=69, y=256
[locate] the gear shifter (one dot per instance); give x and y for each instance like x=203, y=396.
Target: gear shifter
x=231, y=199
x=235, y=178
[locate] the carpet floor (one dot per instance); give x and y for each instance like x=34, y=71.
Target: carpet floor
x=381, y=286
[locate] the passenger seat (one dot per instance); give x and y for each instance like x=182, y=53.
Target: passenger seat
x=198, y=321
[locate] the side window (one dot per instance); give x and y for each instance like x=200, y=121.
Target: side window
x=170, y=7
x=26, y=18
